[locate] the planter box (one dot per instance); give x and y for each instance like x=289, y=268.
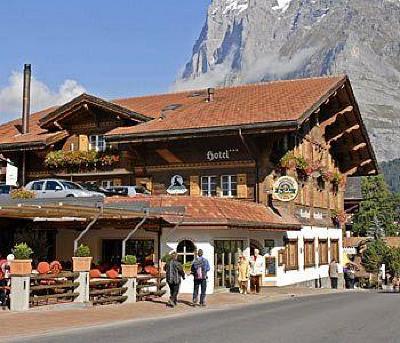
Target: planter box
x=81, y=264
x=21, y=267
x=129, y=270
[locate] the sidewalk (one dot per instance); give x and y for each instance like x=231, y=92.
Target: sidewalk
x=41, y=320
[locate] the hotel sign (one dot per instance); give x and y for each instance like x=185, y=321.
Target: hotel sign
x=220, y=155
x=286, y=188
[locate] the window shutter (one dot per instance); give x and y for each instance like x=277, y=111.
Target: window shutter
x=83, y=143
x=242, y=186
x=194, y=186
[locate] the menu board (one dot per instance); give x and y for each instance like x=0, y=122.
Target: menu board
x=270, y=266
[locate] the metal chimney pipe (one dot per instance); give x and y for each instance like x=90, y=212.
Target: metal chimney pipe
x=26, y=101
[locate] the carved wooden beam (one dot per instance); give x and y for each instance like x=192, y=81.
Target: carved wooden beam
x=332, y=119
x=341, y=134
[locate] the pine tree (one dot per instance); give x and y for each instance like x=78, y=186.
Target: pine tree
x=378, y=211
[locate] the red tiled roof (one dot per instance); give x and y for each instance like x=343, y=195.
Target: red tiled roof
x=10, y=134
x=278, y=101
x=348, y=242
x=218, y=211
x=241, y=105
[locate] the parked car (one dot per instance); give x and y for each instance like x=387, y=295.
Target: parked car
x=129, y=191
x=55, y=188
x=94, y=188
x=5, y=191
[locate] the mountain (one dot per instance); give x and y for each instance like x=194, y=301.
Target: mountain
x=245, y=41
x=391, y=171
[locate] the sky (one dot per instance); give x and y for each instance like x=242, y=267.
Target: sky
x=106, y=48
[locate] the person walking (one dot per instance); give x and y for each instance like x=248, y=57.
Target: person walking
x=243, y=274
x=334, y=273
x=174, y=275
x=200, y=268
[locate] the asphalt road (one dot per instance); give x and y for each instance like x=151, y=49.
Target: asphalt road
x=346, y=317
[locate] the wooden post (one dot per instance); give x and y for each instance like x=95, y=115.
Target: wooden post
x=230, y=268
x=131, y=290
x=223, y=269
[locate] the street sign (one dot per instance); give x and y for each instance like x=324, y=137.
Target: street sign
x=11, y=175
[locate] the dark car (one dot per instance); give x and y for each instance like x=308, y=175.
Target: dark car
x=94, y=188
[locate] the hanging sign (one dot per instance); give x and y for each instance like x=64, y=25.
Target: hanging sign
x=177, y=186
x=286, y=188
x=11, y=175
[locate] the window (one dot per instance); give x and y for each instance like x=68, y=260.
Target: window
x=269, y=244
x=335, y=249
x=208, y=186
x=141, y=248
x=291, y=257
x=37, y=186
x=323, y=251
x=70, y=185
x=309, y=253
x=107, y=183
x=52, y=186
x=229, y=185
x=186, y=251
x=97, y=143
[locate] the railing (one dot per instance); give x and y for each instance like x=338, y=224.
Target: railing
x=48, y=289
x=149, y=286
x=107, y=291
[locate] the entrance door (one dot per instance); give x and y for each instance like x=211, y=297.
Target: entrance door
x=226, y=259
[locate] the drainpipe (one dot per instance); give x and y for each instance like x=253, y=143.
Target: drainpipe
x=94, y=220
x=137, y=227
x=256, y=161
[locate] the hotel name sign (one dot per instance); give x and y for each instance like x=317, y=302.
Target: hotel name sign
x=220, y=155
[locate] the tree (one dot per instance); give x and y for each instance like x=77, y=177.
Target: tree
x=374, y=256
x=377, y=253
x=378, y=213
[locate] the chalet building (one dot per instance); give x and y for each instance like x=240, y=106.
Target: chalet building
x=257, y=166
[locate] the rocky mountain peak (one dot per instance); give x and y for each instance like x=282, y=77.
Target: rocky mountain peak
x=246, y=41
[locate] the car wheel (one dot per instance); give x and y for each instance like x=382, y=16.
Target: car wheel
x=70, y=196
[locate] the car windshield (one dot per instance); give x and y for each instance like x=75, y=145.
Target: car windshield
x=71, y=185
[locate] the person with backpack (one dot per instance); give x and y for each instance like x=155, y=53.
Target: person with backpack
x=174, y=274
x=200, y=268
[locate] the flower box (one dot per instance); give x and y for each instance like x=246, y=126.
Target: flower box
x=81, y=264
x=129, y=270
x=21, y=267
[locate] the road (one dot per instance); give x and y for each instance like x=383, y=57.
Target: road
x=347, y=317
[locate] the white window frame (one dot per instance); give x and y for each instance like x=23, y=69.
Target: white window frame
x=229, y=195
x=97, y=143
x=186, y=253
x=208, y=191
x=107, y=183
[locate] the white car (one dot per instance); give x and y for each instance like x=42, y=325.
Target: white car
x=54, y=188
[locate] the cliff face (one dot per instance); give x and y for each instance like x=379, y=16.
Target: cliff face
x=253, y=40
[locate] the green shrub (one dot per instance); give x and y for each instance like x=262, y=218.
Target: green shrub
x=129, y=259
x=166, y=258
x=83, y=251
x=22, y=251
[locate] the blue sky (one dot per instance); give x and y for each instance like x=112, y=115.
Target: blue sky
x=109, y=48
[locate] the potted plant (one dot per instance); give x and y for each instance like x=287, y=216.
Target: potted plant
x=129, y=266
x=22, y=264
x=302, y=168
x=82, y=260
x=187, y=267
x=164, y=260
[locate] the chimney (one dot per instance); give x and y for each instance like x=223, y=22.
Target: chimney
x=26, y=101
x=210, y=94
